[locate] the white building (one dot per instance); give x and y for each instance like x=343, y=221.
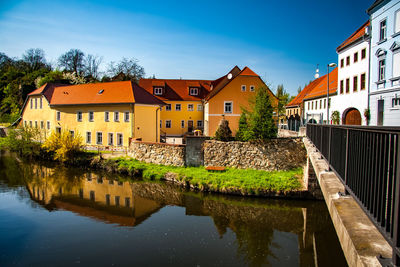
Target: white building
x=352, y=95
x=385, y=63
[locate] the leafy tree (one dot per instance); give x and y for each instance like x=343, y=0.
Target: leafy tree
x=55, y=76
x=35, y=58
x=73, y=61
x=223, y=132
x=126, y=69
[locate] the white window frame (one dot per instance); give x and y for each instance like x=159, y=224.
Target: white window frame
x=58, y=115
x=190, y=107
x=199, y=107
x=110, y=139
x=88, y=137
x=31, y=103
x=225, y=105
x=243, y=88
x=381, y=69
x=252, y=88
x=176, y=107
x=91, y=116
x=396, y=21
x=79, y=115
x=41, y=124
x=193, y=91
x=168, y=107
x=127, y=116
x=397, y=53
x=99, y=134
x=396, y=102
x=158, y=90
x=120, y=137
x=106, y=116
x=182, y=124
x=382, y=34
x=166, y=124
x=116, y=116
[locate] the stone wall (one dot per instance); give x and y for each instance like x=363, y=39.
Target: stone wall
x=275, y=154
x=158, y=153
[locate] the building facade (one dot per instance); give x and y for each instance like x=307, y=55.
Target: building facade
x=385, y=63
x=351, y=100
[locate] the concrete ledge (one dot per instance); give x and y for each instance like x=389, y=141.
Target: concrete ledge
x=360, y=239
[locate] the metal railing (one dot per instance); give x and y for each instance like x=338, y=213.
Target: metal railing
x=367, y=160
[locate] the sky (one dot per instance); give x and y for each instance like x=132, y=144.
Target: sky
x=282, y=41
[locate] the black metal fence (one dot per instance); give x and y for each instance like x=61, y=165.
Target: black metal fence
x=367, y=160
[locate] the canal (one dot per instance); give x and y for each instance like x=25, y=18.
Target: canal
x=54, y=216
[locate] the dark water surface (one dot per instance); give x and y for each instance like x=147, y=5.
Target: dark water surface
x=52, y=216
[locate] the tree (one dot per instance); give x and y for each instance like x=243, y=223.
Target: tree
x=92, y=64
x=72, y=61
x=299, y=90
x=35, y=58
x=126, y=69
x=242, y=133
x=283, y=99
x=223, y=133
x=55, y=76
x=335, y=117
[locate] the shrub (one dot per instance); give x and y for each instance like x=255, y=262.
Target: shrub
x=335, y=117
x=21, y=140
x=223, y=133
x=63, y=145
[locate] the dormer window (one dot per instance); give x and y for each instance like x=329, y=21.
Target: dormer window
x=193, y=91
x=158, y=90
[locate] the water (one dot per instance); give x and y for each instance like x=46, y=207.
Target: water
x=52, y=216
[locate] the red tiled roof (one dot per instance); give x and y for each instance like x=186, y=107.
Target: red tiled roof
x=320, y=89
x=46, y=90
x=177, y=89
x=300, y=96
x=360, y=32
x=102, y=93
x=247, y=72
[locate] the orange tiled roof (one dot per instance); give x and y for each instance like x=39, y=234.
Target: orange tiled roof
x=300, y=96
x=46, y=90
x=320, y=89
x=247, y=72
x=177, y=89
x=360, y=32
x=102, y=93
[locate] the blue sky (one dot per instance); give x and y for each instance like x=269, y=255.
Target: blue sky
x=282, y=41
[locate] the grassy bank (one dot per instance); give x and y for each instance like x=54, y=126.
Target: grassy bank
x=237, y=181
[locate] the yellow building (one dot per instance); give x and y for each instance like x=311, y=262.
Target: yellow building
x=104, y=114
x=183, y=112
x=229, y=94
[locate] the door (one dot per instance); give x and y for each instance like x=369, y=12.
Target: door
x=190, y=126
x=380, y=111
x=353, y=117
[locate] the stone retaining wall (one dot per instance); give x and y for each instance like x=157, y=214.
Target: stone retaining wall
x=158, y=153
x=275, y=154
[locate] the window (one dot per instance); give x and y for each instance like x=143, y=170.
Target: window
x=320, y=103
x=88, y=137
x=397, y=21
x=25, y=123
x=396, y=64
x=120, y=139
x=58, y=130
x=355, y=57
x=308, y=106
x=228, y=107
x=199, y=124
x=182, y=124
x=108, y=199
x=199, y=107
x=91, y=116
x=126, y=116
x=194, y=91
x=116, y=200
x=41, y=103
x=178, y=107
x=72, y=133
x=362, y=85
x=396, y=102
x=312, y=105
x=106, y=116
x=160, y=123
x=190, y=107
x=92, y=196
x=79, y=116
x=347, y=60
x=341, y=87
x=168, y=124
x=325, y=103
x=381, y=70
x=41, y=124
x=31, y=103
x=355, y=83
x=168, y=107
x=36, y=125
x=252, y=88
x=35, y=103
x=48, y=125
x=347, y=85
x=158, y=90
x=243, y=88
x=342, y=63
x=110, y=139
x=116, y=116
x=127, y=202
x=99, y=138
x=382, y=30
x=58, y=115
x=363, y=53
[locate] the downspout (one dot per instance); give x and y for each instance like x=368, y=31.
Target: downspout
x=369, y=70
x=133, y=117
x=157, y=122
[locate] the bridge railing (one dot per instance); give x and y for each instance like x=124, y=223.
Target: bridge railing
x=367, y=160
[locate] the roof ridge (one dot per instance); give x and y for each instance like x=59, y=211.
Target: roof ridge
x=345, y=44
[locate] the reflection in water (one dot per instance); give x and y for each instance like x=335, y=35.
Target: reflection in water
x=267, y=232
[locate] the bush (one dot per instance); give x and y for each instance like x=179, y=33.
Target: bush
x=335, y=117
x=63, y=145
x=21, y=140
x=223, y=133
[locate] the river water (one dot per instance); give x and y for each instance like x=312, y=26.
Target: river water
x=53, y=216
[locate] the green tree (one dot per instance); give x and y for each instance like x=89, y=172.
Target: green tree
x=242, y=133
x=283, y=98
x=223, y=132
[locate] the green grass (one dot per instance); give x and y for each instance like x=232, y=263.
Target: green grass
x=247, y=181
